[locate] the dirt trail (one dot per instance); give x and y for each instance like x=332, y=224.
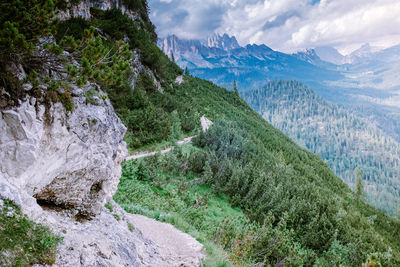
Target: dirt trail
x=148, y=154
x=177, y=248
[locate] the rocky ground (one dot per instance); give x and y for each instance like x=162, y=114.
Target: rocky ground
x=116, y=238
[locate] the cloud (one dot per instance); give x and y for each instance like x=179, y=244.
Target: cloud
x=286, y=25
x=188, y=19
x=279, y=20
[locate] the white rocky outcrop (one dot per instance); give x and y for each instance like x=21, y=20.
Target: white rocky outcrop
x=82, y=9
x=61, y=167
x=67, y=160
x=205, y=123
x=179, y=79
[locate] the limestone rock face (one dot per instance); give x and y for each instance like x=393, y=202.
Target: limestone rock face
x=70, y=163
x=82, y=9
x=68, y=160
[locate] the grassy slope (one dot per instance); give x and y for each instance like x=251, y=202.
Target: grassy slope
x=304, y=189
x=178, y=199
x=22, y=242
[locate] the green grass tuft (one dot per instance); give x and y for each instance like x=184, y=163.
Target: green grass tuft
x=23, y=242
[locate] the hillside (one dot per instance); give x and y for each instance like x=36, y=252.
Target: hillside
x=343, y=140
x=242, y=156
x=243, y=189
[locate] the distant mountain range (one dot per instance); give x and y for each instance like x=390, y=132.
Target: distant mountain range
x=332, y=55
x=221, y=59
x=366, y=82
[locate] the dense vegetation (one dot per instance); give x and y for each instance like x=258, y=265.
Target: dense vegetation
x=338, y=137
x=285, y=190
x=23, y=242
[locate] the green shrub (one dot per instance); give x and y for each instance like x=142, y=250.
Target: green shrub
x=74, y=27
x=66, y=100
x=109, y=206
x=197, y=161
x=22, y=242
x=131, y=227
x=116, y=216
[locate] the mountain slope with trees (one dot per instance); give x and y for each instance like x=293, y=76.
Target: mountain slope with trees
x=343, y=140
x=289, y=208
x=288, y=193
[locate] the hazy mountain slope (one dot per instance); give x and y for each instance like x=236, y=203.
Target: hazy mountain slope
x=330, y=54
x=340, y=138
x=373, y=88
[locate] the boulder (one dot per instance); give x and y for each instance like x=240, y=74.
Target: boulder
x=69, y=160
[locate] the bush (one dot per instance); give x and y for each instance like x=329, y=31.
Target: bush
x=148, y=125
x=74, y=27
x=22, y=242
x=197, y=161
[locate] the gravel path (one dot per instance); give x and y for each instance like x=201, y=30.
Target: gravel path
x=147, y=154
x=176, y=247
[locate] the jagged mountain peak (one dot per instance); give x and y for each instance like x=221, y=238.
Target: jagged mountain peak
x=365, y=50
x=259, y=47
x=223, y=41
x=307, y=54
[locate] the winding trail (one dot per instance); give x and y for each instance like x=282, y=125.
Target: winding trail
x=205, y=124
x=178, y=249
x=148, y=154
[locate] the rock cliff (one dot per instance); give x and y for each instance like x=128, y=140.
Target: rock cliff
x=61, y=166
x=82, y=9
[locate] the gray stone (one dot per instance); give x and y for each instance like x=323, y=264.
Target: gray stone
x=82, y=9
x=72, y=162
x=102, y=241
x=205, y=123
x=7, y=191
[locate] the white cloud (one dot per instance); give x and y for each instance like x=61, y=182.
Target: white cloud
x=286, y=25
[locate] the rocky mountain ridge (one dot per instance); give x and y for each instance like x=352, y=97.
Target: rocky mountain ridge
x=249, y=65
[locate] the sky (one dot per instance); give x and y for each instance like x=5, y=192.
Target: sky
x=284, y=25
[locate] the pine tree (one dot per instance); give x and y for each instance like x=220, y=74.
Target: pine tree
x=172, y=57
x=359, y=185
x=23, y=23
x=235, y=90
x=187, y=71
x=207, y=172
x=141, y=172
x=176, y=129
